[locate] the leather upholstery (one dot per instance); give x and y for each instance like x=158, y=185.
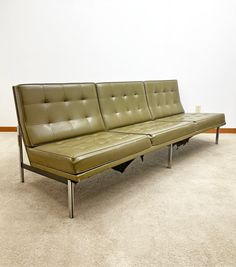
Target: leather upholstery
x=160, y=132
x=64, y=132
x=123, y=103
x=163, y=98
x=51, y=112
x=202, y=120
x=79, y=154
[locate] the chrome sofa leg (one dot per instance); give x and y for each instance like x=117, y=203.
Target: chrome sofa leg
x=217, y=135
x=20, y=154
x=71, y=198
x=170, y=154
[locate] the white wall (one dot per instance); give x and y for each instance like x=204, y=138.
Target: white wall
x=89, y=40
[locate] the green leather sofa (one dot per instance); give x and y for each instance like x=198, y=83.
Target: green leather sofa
x=72, y=131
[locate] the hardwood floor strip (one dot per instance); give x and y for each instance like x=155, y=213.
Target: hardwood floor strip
x=222, y=130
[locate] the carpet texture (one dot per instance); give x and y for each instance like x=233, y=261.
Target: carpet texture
x=148, y=216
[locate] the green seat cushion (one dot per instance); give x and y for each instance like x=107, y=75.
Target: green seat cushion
x=202, y=120
x=161, y=132
x=80, y=154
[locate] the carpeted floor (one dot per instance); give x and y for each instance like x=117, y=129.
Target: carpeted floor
x=148, y=216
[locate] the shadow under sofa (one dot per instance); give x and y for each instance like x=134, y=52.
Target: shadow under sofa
x=72, y=131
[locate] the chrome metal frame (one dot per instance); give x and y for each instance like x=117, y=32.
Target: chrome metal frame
x=70, y=184
x=21, y=159
x=71, y=198
x=170, y=156
x=217, y=135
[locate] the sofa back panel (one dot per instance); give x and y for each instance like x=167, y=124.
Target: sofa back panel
x=163, y=98
x=51, y=112
x=123, y=103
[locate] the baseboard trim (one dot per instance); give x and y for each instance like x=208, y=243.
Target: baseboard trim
x=222, y=130
x=8, y=129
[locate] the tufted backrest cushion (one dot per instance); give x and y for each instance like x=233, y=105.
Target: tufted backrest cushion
x=50, y=112
x=163, y=98
x=123, y=103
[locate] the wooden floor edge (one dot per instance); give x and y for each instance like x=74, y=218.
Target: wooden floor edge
x=8, y=129
x=222, y=130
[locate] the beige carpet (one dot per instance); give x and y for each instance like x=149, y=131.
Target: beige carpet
x=148, y=216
